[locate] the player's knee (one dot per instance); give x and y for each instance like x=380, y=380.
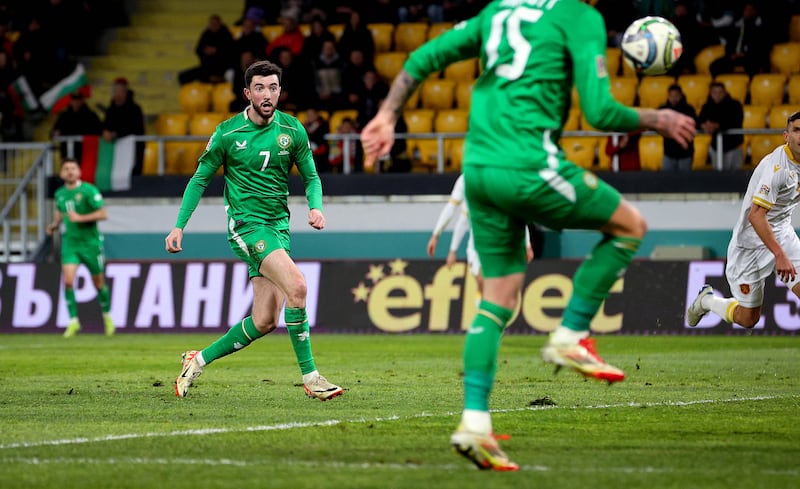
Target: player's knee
x=297, y=291
x=265, y=323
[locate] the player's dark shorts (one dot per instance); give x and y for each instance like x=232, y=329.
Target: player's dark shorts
x=90, y=253
x=501, y=201
x=253, y=242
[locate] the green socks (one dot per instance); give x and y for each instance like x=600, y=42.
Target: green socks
x=104, y=298
x=595, y=277
x=480, y=354
x=72, y=305
x=239, y=336
x=297, y=326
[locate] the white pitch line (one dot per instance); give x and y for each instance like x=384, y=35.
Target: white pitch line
x=332, y=422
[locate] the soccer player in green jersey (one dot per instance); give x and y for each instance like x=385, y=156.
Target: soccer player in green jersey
x=531, y=53
x=257, y=148
x=81, y=204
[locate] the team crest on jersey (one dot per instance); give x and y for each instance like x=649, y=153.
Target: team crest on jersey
x=764, y=190
x=261, y=245
x=590, y=179
x=600, y=63
x=284, y=141
x=78, y=198
x=745, y=288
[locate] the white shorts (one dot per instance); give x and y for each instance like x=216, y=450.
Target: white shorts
x=473, y=262
x=747, y=269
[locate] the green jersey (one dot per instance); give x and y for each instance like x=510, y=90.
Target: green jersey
x=85, y=198
x=256, y=161
x=531, y=54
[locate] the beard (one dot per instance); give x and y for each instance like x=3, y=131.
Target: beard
x=265, y=111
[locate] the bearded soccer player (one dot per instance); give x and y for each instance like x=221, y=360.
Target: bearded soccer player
x=531, y=53
x=81, y=203
x=764, y=239
x=257, y=148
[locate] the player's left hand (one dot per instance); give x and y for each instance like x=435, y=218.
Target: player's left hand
x=451, y=258
x=174, y=239
x=316, y=219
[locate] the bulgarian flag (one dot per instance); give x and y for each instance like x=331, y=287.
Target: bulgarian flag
x=108, y=165
x=22, y=96
x=57, y=98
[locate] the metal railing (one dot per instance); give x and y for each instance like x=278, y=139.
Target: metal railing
x=22, y=232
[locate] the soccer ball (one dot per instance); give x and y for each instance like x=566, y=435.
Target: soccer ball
x=651, y=45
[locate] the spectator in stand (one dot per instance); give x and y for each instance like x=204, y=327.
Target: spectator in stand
x=240, y=101
x=317, y=127
x=76, y=120
x=676, y=157
x=374, y=91
x=746, y=45
x=627, y=151
x=260, y=11
x=35, y=56
x=328, y=77
x=312, y=46
x=297, y=88
x=353, y=78
x=291, y=37
x=717, y=14
x=251, y=39
x=416, y=11
x=694, y=36
x=215, y=51
x=336, y=155
x=618, y=15
x=356, y=35
x=6, y=42
x=124, y=117
x=719, y=113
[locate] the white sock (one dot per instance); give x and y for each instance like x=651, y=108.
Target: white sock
x=721, y=306
x=309, y=376
x=564, y=336
x=476, y=421
x=200, y=360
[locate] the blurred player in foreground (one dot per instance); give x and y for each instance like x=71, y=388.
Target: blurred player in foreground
x=764, y=239
x=257, y=148
x=82, y=205
x=457, y=203
x=515, y=173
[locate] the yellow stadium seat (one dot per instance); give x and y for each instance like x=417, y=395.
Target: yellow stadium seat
x=382, y=33
x=580, y=150
x=653, y=90
x=168, y=124
x=388, y=65
x=624, y=89
x=695, y=89
x=573, y=119
x=613, y=59
x=271, y=31
x=221, y=97
x=767, y=89
x=464, y=94
x=438, y=94
x=778, y=114
x=421, y=121
x=453, y=120
x=709, y=54
x=603, y=160
x=763, y=144
x=785, y=58
x=456, y=155
x=337, y=30
x=700, y=157
x=793, y=89
x=305, y=29
x=736, y=84
x=755, y=116
x=204, y=124
x=627, y=68
x=150, y=163
x=651, y=152
x=195, y=97
x=438, y=27
x=462, y=70
x=338, y=116
x=794, y=28
x=408, y=36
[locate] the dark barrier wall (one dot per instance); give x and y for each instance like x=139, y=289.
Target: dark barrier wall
x=393, y=296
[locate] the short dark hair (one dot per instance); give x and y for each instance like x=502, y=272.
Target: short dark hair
x=70, y=159
x=675, y=86
x=792, y=118
x=262, y=68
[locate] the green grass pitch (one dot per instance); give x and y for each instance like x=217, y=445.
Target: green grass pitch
x=695, y=411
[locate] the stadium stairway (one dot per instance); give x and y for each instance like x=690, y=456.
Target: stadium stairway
x=151, y=52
